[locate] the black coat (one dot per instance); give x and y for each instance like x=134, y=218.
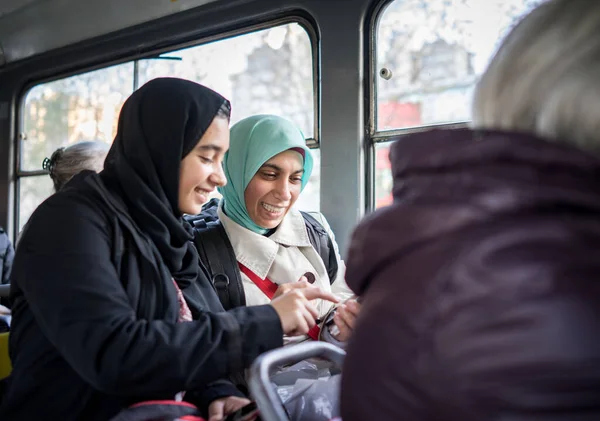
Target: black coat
x=82, y=349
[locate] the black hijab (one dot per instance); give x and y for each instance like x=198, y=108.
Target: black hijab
x=159, y=125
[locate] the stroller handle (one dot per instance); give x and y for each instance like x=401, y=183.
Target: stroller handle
x=267, y=400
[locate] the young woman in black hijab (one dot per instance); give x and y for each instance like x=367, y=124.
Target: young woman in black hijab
x=110, y=305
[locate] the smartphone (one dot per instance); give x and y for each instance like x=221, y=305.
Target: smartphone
x=246, y=413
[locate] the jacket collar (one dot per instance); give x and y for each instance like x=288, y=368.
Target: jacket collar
x=447, y=180
x=258, y=252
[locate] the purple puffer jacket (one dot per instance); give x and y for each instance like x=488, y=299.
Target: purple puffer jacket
x=481, y=284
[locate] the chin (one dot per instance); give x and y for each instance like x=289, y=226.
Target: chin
x=269, y=225
x=191, y=210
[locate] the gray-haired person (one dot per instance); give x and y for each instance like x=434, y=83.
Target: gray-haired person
x=69, y=161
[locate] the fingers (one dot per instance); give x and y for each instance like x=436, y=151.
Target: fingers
x=298, y=315
x=313, y=293
x=302, y=324
x=310, y=314
x=282, y=289
x=343, y=329
x=219, y=408
x=302, y=283
x=306, y=314
x=308, y=306
x=345, y=316
x=345, y=319
x=353, y=307
x=216, y=410
x=234, y=403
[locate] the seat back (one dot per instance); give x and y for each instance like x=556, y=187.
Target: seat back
x=5, y=364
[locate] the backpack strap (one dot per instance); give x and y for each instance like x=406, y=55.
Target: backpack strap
x=322, y=243
x=217, y=255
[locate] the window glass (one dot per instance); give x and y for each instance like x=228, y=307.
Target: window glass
x=433, y=52
x=32, y=191
x=383, y=175
x=310, y=199
x=74, y=109
x=264, y=72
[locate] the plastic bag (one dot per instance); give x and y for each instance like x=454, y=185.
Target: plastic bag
x=309, y=390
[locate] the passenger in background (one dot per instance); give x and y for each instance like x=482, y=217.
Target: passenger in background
x=66, y=162
x=277, y=247
x=110, y=306
x=7, y=254
x=481, y=290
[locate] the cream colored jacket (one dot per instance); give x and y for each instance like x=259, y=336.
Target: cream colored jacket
x=284, y=257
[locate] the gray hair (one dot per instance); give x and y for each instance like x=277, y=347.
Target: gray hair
x=70, y=161
x=545, y=78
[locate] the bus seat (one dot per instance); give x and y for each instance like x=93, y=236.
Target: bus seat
x=5, y=364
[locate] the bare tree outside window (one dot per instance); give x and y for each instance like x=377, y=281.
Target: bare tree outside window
x=435, y=50
x=266, y=71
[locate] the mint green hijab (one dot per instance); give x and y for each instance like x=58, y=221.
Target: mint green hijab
x=254, y=141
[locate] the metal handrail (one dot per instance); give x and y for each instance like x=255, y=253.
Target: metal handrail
x=268, y=402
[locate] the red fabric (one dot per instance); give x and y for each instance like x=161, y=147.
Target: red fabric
x=314, y=332
x=267, y=286
x=163, y=402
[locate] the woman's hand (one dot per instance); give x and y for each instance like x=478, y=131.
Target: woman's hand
x=283, y=288
x=345, y=318
x=295, y=311
x=220, y=408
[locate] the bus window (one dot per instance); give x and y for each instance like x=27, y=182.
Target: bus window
x=65, y=111
x=32, y=191
x=383, y=174
x=70, y=110
x=265, y=71
x=429, y=55
x=269, y=71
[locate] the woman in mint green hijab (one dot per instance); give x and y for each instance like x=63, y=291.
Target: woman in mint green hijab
x=267, y=167
x=254, y=141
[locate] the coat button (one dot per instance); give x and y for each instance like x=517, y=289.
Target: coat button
x=310, y=277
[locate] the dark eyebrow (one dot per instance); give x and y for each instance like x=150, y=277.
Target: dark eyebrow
x=210, y=147
x=276, y=168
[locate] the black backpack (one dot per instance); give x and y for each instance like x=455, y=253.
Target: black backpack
x=217, y=255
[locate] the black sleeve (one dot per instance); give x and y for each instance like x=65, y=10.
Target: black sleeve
x=215, y=390
x=63, y=268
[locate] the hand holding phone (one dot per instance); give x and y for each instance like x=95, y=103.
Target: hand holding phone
x=246, y=413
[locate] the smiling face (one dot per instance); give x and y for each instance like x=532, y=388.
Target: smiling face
x=274, y=189
x=201, y=170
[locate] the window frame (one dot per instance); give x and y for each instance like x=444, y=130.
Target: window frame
x=375, y=136
x=306, y=22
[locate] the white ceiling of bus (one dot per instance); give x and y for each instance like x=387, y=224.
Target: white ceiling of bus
x=30, y=27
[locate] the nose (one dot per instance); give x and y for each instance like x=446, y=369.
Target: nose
x=282, y=190
x=218, y=176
